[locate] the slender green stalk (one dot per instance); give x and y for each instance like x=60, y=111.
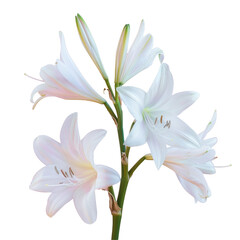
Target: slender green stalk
x=110, y=111
x=136, y=165
x=111, y=190
x=109, y=87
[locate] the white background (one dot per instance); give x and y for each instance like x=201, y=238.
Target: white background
x=201, y=42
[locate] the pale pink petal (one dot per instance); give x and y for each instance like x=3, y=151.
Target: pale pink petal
x=90, y=142
x=138, y=135
x=85, y=203
x=58, y=199
x=157, y=148
x=47, y=179
x=48, y=150
x=70, y=139
x=192, y=180
x=106, y=177
x=133, y=98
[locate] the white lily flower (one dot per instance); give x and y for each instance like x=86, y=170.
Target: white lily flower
x=64, y=80
x=139, y=57
x=156, y=116
x=190, y=164
x=70, y=171
x=89, y=44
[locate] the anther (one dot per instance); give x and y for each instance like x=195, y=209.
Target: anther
x=66, y=174
x=168, y=124
x=161, y=118
x=63, y=173
x=71, y=172
x=56, y=170
x=155, y=121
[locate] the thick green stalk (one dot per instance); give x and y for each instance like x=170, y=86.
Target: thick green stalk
x=124, y=170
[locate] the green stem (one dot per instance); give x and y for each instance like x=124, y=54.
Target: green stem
x=109, y=87
x=110, y=111
x=124, y=169
x=138, y=163
x=111, y=190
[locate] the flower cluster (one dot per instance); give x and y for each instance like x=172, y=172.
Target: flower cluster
x=70, y=172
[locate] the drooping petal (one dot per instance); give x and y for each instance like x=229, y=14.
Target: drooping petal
x=161, y=88
x=181, y=135
x=106, y=177
x=89, y=44
x=192, y=180
x=138, y=135
x=133, y=98
x=47, y=179
x=121, y=51
x=209, y=127
x=210, y=141
x=179, y=102
x=157, y=148
x=48, y=150
x=70, y=139
x=85, y=203
x=58, y=199
x=90, y=142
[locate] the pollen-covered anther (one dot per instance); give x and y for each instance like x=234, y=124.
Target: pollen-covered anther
x=63, y=174
x=71, y=172
x=168, y=124
x=56, y=170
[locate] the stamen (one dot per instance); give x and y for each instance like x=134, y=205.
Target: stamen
x=168, y=124
x=155, y=121
x=230, y=165
x=63, y=174
x=66, y=174
x=37, y=101
x=161, y=119
x=56, y=170
x=71, y=172
x=33, y=77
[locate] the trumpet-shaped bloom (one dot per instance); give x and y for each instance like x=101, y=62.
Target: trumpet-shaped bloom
x=139, y=57
x=156, y=116
x=89, y=44
x=64, y=80
x=190, y=164
x=70, y=172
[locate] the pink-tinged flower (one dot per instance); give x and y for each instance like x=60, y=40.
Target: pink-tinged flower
x=156, y=114
x=190, y=164
x=64, y=80
x=139, y=57
x=89, y=44
x=70, y=172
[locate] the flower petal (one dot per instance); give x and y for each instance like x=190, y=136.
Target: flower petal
x=70, y=139
x=210, y=141
x=138, y=135
x=90, y=142
x=133, y=98
x=48, y=150
x=181, y=135
x=89, y=44
x=106, y=177
x=121, y=51
x=192, y=181
x=58, y=199
x=157, y=148
x=47, y=179
x=209, y=127
x=85, y=203
x=179, y=102
x=161, y=88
